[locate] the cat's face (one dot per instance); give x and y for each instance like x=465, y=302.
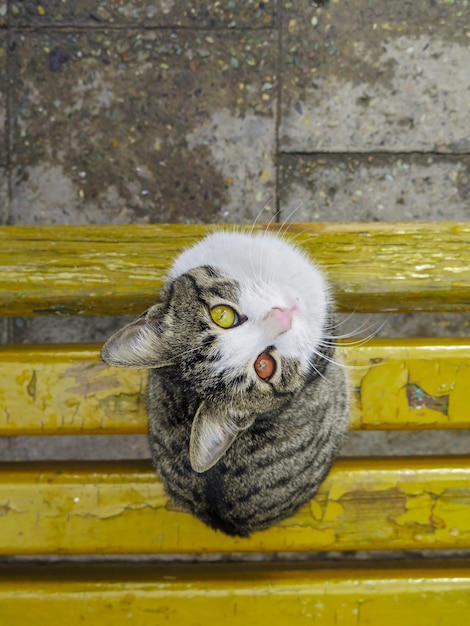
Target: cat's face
x=278, y=296
x=241, y=318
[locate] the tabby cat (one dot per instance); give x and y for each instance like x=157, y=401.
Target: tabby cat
x=247, y=404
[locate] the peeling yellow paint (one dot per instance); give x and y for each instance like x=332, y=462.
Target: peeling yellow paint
x=436, y=486
x=69, y=379
x=333, y=511
x=439, y=368
x=122, y=508
x=67, y=389
x=418, y=510
x=337, y=491
x=377, y=391
x=459, y=396
x=316, y=510
x=412, y=489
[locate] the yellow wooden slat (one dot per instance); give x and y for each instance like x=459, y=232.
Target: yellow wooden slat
x=237, y=593
x=104, y=508
x=53, y=389
x=410, y=384
x=118, y=269
x=395, y=384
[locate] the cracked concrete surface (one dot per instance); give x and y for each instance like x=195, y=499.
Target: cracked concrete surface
x=130, y=112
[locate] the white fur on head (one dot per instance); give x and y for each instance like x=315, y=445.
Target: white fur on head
x=272, y=273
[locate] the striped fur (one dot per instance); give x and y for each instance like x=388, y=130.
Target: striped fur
x=238, y=451
x=270, y=470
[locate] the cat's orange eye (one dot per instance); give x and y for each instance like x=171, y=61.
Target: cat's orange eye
x=265, y=366
x=224, y=316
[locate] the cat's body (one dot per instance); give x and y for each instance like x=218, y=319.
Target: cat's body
x=247, y=405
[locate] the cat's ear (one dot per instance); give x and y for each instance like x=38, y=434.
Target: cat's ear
x=212, y=434
x=138, y=344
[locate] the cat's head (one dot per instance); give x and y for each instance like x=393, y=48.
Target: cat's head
x=242, y=318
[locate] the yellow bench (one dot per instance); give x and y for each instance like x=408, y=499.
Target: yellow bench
x=119, y=508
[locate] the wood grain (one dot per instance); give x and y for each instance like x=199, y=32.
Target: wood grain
x=89, y=270
x=294, y=594
x=121, y=508
x=395, y=384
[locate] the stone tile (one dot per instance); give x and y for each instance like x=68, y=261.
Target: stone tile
x=73, y=447
x=3, y=13
x=54, y=329
x=121, y=447
x=404, y=443
x=142, y=126
x=3, y=93
x=409, y=187
x=366, y=75
x=4, y=205
x=235, y=14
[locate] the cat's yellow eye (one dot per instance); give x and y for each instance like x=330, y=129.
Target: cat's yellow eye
x=265, y=366
x=224, y=316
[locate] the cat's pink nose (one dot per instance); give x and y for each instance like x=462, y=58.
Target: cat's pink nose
x=281, y=318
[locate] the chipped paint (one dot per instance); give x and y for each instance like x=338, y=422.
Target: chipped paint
x=62, y=377
x=31, y=386
x=379, y=504
x=417, y=384
x=419, y=399
x=68, y=389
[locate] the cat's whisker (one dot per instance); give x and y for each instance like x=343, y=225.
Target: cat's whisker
x=346, y=344
x=285, y=221
x=381, y=325
x=294, y=239
x=365, y=325
x=260, y=213
x=331, y=339
x=296, y=208
x=284, y=226
x=271, y=271
x=188, y=351
x=275, y=215
x=339, y=321
x=321, y=374
x=255, y=223
x=340, y=364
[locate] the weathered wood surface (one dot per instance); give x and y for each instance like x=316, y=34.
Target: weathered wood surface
x=118, y=269
x=239, y=593
x=120, y=508
x=395, y=384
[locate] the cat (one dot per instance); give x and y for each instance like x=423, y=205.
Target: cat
x=247, y=402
